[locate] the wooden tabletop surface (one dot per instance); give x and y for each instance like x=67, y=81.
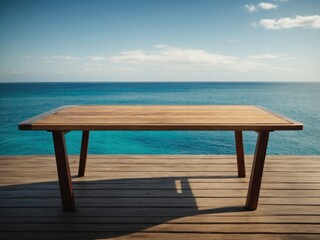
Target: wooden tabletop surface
x=160, y=117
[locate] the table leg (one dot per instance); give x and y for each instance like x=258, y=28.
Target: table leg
x=66, y=189
x=83, y=153
x=240, y=154
x=257, y=170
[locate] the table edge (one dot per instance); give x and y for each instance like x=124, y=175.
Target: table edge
x=27, y=124
x=280, y=116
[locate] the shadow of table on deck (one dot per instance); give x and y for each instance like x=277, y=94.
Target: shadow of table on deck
x=105, y=208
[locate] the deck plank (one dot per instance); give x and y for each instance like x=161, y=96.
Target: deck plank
x=160, y=197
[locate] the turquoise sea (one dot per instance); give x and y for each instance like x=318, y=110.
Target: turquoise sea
x=19, y=101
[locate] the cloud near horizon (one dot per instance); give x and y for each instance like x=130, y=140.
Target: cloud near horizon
x=185, y=58
x=59, y=58
x=268, y=56
x=173, y=59
x=171, y=55
x=163, y=61
x=306, y=22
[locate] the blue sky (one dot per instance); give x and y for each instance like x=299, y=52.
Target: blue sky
x=159, y=40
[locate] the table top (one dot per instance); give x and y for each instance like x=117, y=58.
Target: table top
x=160, y=117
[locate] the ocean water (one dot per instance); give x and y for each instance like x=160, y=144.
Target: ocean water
x=19, y=101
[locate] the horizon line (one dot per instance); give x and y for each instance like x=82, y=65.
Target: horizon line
x=161, y=82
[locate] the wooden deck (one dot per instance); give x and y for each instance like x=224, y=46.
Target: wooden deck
x=163, y=197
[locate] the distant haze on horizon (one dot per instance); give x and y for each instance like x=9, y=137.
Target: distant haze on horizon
x=159, y=40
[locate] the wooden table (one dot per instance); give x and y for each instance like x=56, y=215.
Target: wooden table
x=189, y=118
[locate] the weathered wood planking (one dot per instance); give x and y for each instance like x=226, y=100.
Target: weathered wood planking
x=165, y=203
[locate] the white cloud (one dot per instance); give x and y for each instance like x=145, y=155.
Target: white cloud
x=60, y=58
x=187, y=59
x=261, y=6
x=311, y=22
x=268, y=56
x=98, y=58
x=267, y=6
x=172, y=55
x=160, y=63
x=250, y=8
